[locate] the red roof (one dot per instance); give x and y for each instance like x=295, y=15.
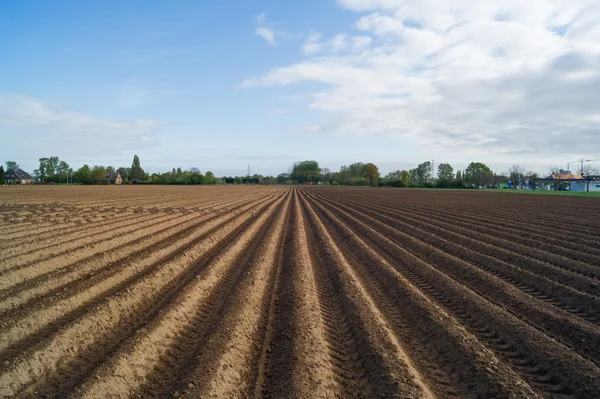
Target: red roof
x=558, y=176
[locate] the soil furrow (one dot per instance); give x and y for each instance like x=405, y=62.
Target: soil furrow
x=550, y=241
x=78, y=352
x=61, y=236
x=188, y=325
x=485, y=254
x=540, y=287
x=88, y=272
x=552, y=374
x=22, y=333
x=561, y=325
x=297, y=362
x=284, y=292
x=452, y=360
x=497, y=247
x=367, y=358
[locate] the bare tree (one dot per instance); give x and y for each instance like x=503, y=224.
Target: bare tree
x=554, y=170
x=515, y=173
x=589, y=170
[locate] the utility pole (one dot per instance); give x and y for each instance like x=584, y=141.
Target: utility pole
x=569, y=165
x=587, y=178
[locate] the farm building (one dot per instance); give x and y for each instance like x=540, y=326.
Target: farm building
x=115, y=178
x=565, y=180
x=589, y=184
x=18, y=176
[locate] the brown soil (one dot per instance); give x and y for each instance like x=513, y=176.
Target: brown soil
x=297, y=292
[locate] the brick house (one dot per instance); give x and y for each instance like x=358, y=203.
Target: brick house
x=115, y=178
x=18, y=176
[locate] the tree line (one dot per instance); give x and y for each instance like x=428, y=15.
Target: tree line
x=53, y=170
x=477, y=174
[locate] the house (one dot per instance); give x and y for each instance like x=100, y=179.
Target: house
x=565, y=180
x=115, y=178
x=566, y=175
x=18, y=176
x=589, y=184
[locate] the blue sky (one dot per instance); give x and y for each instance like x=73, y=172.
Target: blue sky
x=219, y=85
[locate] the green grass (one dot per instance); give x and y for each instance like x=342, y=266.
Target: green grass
x=563, y=193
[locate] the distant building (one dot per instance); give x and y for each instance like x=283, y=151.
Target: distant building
x=18, y=176
x=566, y=175
x=566, y=180
x=591, y=185
x=115, y=178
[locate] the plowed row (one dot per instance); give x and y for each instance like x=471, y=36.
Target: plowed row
x=297, y=292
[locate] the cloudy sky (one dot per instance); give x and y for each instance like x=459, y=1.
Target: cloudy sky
x=219, y=85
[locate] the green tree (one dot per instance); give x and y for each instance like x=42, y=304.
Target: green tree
x=443, y=183
x=137, y=173
x=393, y=179
x=371, y=172
x=422, y=173
x=405, y=177
x=356, y=169
x=306, y=171
x=42, y=171
x=282, y=178
x=326, y=175
x=2, y=175
x=83, y=175
x=98, y=175
x=479, y=174
x=12, y=165
x=350, y=175
x=61, y=170
x=48, y=170
x=445, y=171
x=209, y=178
x=196, y=178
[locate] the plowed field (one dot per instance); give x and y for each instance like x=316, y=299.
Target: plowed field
x=297, y=292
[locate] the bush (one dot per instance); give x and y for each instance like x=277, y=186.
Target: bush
x=393, y=183
x=334, y=183
x=443, y=183
x=457, y=184
x=361, y=181
x=427, y=185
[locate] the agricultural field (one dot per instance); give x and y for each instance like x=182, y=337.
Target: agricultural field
x=297, y=292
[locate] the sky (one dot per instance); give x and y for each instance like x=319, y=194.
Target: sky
x=222, y=85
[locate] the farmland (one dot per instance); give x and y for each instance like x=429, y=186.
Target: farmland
x=297, y=292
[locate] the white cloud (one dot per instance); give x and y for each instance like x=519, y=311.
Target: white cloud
x=312, y=45
x=265, y=29
x=337, y=44
x=261, y=19
x=506, y=78
x=33, y=126
x=266, y=34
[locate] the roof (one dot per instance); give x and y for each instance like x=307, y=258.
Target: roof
x=21, y=174
x=113, y=175
x=559, y=176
